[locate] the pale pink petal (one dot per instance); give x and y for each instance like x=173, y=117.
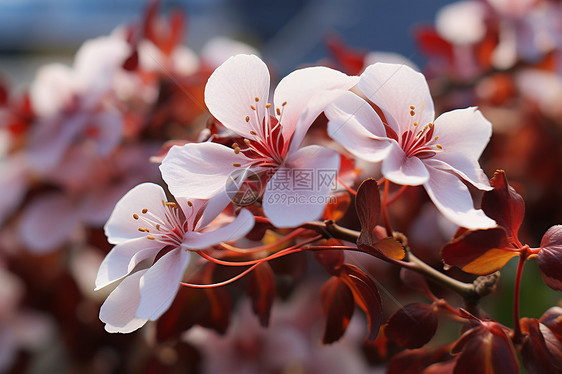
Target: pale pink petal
x=123, y=258
x=354, y=124
x=109, y=127
x=119, y=310
x=243, y=223
x=200, y=170
x=453, y=200
x=232, y=90
x=398, y=168
x=294, y=94
x=394, y=88
x=98, y=203
x=461, y=22
x=122, y=225
x=463, y=131
x=48, y=222
x=159, y=285
x=301, y=198
x=212, y=208
x=52, y=89
x=462, y=166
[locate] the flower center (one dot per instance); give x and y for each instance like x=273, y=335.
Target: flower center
x=419, y=142
x=268, y=147
x=169, y=229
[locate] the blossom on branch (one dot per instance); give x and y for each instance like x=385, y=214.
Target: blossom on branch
x=414, y=148
x=147, y=229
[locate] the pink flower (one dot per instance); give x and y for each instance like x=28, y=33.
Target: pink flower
x=237, y=95
x=145, y=228
x=415, y=149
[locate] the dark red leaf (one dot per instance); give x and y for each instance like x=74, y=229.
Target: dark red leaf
x=366, y=295
x=416, y=360
x=261, y=289
x=549, y=257
x=479, y=252
x=412, y=326
x=432, y=44
x=415, y=281
x=504, y=204
x=540, y=357
x=350, y=61
x=552, y=319
x=446, y=367
x=132, y=62
x=485, y=348
x=338, y=306
x=209, y=307
x=368, y=206
x=331, y=260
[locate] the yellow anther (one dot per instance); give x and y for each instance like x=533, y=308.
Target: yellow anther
x=235, y=145
x=135, y=216
x=144, y=211
x=253, y=107
x=236, y=151
x=257, y=99
x=150, y=237
x=247, y=141
x=415, y=123
x=437, y=137
x=247, y=118
x=143, y=229
x=189, y=203
x=412, y=113
x=412, y=107
x=158, y=226
x=236, y=164
x=439, y=146
x=278, y=111
x=171, y=205
x=253, y=132
x=268, y=105
x=284, y=103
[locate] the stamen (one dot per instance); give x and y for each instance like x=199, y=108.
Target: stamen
x=415, y=123
x=135, y=216
x=253, y=132
x=171, y=205
x=437, y=137
x=284, y=103
x=236, y=151
x=247, y=118
x=236, y=164
x=144, y=211
x=412, y=107
x=257, y=99
x=189, y=203
x=278, y=111
x=150, y=237
x=253, y=107
x=247, y=141
x=412, y=113
x=158, y=226
x=439, y=146
x=268, y=105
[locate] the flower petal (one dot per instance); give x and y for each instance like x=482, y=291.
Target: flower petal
x=398, y=168
x=243, y=223
x=123, y=258
x=48, y=222
x=461, y=22
x=355, y=125
x=464, y=131
x=160, y=283
x=298, y=192
x=200, y=170
x=121, y=225
x=118, y=312
x=394, y=88
x=299, y=88
x=232, y=89
x=467, y=169
x=453, y=199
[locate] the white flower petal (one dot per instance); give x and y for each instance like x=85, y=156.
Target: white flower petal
x=48, y=222
x=354, y=124
x=462, y=166
x=200, y=170
x=159, y=285
x=398, y=168
x=123, y=258
x=121, y=225
x=464, y=131
x=305, y=199
x=461, y=22
x=118, y=312
x=243, y=223
x=394, y=88
x=453, y=199
x=232, y=89
x=52, y=89
x=299, y=88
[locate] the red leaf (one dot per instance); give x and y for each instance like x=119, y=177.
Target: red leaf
x=338, y=306
x=415, y=281
x=210, y=307
x=412, y=326
x=432, y=44
x=416, y=360
x=549, y=257
x=552, y=319
x=261, y=289
x=331, y=260
x=485, y=348
x=479, y=252
x=366, y=295
x=368, y=206
x=504, y=204
x=351, y=61
x=540, y=357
